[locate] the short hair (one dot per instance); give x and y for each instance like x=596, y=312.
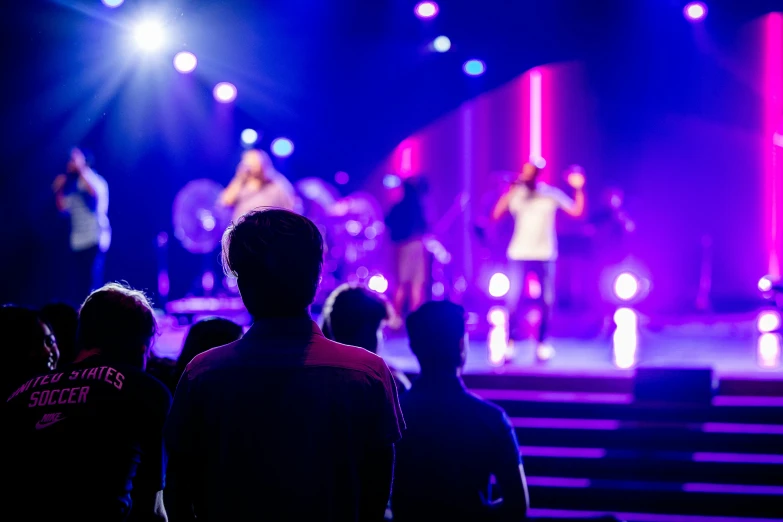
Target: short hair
x=276, y=257
x=118, y=321
x=64, y=321
x=204, y=335
x=352, y=314
x=435, y=331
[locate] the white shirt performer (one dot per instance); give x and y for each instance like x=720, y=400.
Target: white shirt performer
x=84, y=195
x=533, y=247
x=257, y=184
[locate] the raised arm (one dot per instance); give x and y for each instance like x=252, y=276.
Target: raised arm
x=58, y=187
x=577, y=207
x=501, y=207
x=92, y=183
x=228, y=197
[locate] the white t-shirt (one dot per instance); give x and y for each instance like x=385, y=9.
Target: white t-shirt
x=535, y=238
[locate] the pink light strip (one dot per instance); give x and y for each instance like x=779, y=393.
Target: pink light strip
x=773, y=160
x=536, y=113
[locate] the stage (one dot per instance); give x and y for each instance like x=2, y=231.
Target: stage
x=726, y=343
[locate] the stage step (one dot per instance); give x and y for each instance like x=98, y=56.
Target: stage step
x=656, y=498
x=620, y=407
x=638, y=436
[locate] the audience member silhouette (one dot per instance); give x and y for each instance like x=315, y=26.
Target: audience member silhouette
x=455, y=442
x=29, y=348
x=354, y=315
x=282, y=424
x=64, y=319
x=94, y=430
x=202, y=336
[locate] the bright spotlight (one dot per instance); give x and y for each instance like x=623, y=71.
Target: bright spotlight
x=695, y=11
x=498, y=316
x=112, y=3
x=768, y=321
x=249, y=137
x=225, y=92
x=185, y=62
x=441, y=44
x=426, y=10
x=378, y=283
x=626, y=286
x=768, y=350
x=474, y=67
x=282, y=147
x=625, y=339
x=149, y=35
x=765, y=284
x=499, y=285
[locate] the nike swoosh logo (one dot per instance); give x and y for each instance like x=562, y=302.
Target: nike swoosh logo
x=45, y=423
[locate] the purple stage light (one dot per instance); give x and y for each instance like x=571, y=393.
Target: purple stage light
x=626, y=286
x=225, y=92
x=426, y=10
x=768, y=321
x=185, y=62
x=378, y=283
x=695, y=11
x=342, y=178
x=282, y=147
x=765, y=284
x=497, y=316
x=391, y=181
x=499, y=285
x=474, y=67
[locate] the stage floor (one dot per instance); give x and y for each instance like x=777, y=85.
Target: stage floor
x=726, y=343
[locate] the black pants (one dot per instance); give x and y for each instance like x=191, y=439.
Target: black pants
x=545, y=272
x=86, y=272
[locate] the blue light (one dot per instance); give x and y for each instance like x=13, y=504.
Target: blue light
x=112, y=3
x=249, y=137
x=474, y=67
x=282, y=147
x=441, y=44
x=391, y=181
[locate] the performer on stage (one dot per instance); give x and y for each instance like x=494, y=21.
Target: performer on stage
x=84, y=196
x=407, y=226
x=257, y=184
x=533, y=247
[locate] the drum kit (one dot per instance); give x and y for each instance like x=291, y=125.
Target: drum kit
x=352, y=227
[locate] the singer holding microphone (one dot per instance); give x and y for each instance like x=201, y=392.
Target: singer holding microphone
x=533, y=247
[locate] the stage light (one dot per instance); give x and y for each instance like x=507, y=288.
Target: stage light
x=497, y=316
x=474, y=67
x=538, y=161
x=426, y=10
x=249, y=137
x=362, y=272
x=342, y=178
x=695, y=11
x=441, y=44
x=378, y=283
x=149, y=35
x=282, y=147
x=438, y=289
x=626, y=286
x=497, y=342
x=353, y=227
x=391, y=181
x=768, y=321
x=185, y=62
x=625, y=338
x=499, y=285
x=225, y=92
x=765, y=284
x=768, y=350
x=112, y=3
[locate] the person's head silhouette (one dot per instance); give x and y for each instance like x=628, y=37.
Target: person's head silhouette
x=276, y=256
x=437, y=337
x=353, y=315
